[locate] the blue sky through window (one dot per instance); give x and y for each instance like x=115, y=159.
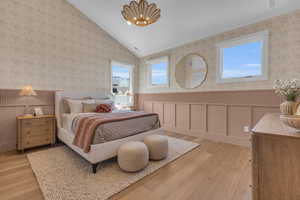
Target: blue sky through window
x=243, y=60
x=120, y=71
x=159, y=73
x=121, y=76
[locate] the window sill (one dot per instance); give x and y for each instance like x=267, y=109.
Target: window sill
x=244, y=79
x=159, y=86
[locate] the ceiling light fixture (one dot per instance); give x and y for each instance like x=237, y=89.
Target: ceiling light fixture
x=140, y=13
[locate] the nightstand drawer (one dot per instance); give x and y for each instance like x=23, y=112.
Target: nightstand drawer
x=36, y=122
x=37, y=141
x=45, y=130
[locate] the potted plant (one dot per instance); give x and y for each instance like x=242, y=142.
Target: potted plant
x=290, y=90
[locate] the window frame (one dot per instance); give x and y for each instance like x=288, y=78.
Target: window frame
x=131, y=74
x=149, y=71
x=262, y=36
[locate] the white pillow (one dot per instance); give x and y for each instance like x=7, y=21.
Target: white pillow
x=76, y=105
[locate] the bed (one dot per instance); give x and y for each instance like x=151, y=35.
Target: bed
x=98, y=151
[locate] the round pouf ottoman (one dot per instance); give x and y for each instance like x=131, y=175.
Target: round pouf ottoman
x=157, y=146
x=133, y=156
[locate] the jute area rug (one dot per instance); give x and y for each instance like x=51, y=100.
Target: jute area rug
x=64, y=175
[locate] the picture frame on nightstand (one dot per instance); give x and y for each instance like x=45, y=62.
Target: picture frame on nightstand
x=38, y=111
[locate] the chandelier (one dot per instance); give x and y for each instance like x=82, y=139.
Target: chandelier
x=141, y=13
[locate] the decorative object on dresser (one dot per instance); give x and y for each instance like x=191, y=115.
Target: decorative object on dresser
x=191, y=71
x=290, y=90
x=35, y=131
x=276, y=161
x=297, y=109
x=27, y=91
x=291, y=121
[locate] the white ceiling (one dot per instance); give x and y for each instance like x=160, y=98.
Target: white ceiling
x=182, y=21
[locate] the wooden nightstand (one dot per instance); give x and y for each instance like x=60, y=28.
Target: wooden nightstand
x=35, y=131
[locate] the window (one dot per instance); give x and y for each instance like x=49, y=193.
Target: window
x=158, y=72
x=243, y=59
x=122, y=82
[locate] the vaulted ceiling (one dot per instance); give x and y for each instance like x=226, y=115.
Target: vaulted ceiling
x=182, y=21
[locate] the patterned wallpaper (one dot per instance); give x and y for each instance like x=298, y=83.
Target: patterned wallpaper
x=51, y=45
x=284, y=55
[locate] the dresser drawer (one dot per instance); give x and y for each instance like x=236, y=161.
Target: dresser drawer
x=37, y=141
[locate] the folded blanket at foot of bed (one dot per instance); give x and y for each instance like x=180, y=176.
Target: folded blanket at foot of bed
x=85, y=126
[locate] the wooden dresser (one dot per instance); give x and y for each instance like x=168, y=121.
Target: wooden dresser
x=275, y=160
x=35, y=131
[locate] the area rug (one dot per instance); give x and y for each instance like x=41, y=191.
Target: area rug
x=64, y=175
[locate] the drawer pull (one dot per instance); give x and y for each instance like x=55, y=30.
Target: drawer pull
x=28, y=132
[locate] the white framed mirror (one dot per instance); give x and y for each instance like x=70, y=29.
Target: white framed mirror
x=191, y=71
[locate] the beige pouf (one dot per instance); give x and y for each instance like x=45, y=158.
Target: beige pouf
x=157, y=146
x=133, y=156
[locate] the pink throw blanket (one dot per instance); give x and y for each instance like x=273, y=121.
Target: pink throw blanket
x=87, y=126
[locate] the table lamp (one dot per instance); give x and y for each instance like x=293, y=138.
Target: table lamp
x=27, y=91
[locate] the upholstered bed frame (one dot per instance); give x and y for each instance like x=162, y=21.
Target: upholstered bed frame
x=98, y=152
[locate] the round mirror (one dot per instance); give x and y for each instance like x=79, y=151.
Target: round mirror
x=191, y=71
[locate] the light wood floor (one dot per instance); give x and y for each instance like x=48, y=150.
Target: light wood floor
x=213, y=171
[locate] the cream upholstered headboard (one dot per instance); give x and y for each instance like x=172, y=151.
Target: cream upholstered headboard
x=60, y=95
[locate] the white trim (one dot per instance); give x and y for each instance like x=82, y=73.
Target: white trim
x=131, y=74
x=149, y=71
x=259, y=36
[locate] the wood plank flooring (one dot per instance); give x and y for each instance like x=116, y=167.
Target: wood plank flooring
x=213, y=171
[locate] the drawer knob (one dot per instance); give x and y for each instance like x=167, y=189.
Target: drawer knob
x=28, y=132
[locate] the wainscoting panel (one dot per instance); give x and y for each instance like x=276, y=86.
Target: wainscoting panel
x=198, y=118
x=148, y=107
x=169, y=115
x=216, y=118
x=183, y=117
x=219, y=122
x=238, y=118
x=12, y=105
